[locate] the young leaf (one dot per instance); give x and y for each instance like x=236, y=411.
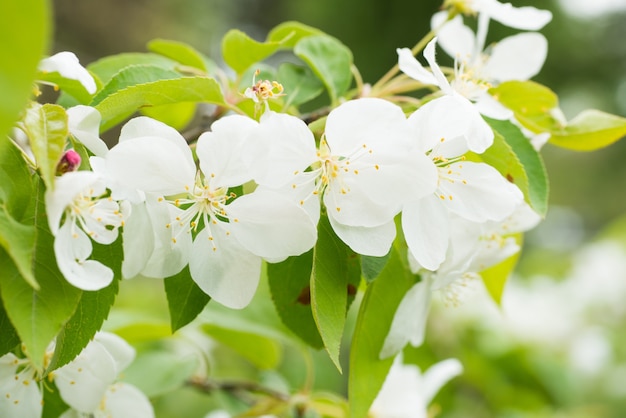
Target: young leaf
x=290, y=286
x=289, y=33
x=184, y=299
x=46, y=127
x=93, y=308
x=182, y=53
x=24, y=30
x=72, y=87
x=536, y=190
x=299, y=83
x=105, y=68
x=532, y=103
x=240, y=51
x=589, y=131
x=330, y=60
x=382, y=297
x=18, y=241
x=335, y=273
x=38, y=315
x=121, y=104
x=372, y=266
x=131, y=76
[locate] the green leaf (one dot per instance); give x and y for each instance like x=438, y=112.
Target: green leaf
x=291, y=291
x=184, y=298
x=18, y=241
x=289, y=33
x=159, y=372
x=121, y=104
x=176, y=115
x=24, y=30
x=46, y=127
x=589, y=131
x=299, y=83
x=240, y=51
x=16, y=238
x=262, y=352
x=382, y=297
x=336, y=273
x=72, y=87
x=9, y=338
x=372, y=266
x=93, y=308
x=533, y=104
x=536, y=188
x=495, y=277
x=105, y=68
x=181, y=52
x=131, y=76
x=38, y=315
x=330, y=60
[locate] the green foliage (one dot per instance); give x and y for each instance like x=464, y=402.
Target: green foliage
x=382, y=297
x=372, y=266
x=184, y=298
x=299, y=83
x=290, y=33
x=16, y=238
x=335, y=276
x=182, y=53
x=121, y=104
x=589, y=131
x=262, y=351
x=520, y=163
x=20, y=54
x=93, y=308
x=240, y=51
x=291, y=291
x=330, y=60
x=9, y=339
x=105, y=68
x=46, y=127
x=38, y=315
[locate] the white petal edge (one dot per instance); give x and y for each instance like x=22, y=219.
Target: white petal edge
x=84, y=124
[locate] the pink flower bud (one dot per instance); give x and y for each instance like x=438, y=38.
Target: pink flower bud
x=69, y=162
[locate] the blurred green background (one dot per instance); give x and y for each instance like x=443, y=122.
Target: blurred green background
x=505, y=376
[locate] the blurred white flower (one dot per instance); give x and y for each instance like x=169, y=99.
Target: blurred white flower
x=67, y=65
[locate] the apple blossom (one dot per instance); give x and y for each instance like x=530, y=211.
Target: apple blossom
x=363, y=170
x=19, y=389
x=79, y=211
x=525, y=18
x=231, y=233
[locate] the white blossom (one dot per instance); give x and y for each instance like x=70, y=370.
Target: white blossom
x=67, y=65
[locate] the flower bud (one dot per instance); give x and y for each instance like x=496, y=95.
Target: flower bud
x=69, y=162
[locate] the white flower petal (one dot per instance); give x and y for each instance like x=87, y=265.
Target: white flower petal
x=438, y=375
x=137, y=241
x=426, y=230
x=301, y=192
x=122, y=353
x=518, y=57
x=83, y=382
x=374, y=241
x=410, y=66
x=442, y=81
x=220, y=151
x=152, y=164
x=84, y=123
x=525, y=18
x=487, y=105
x=67, y=187
x=271, y=225
x=224, y=269
x=67, y=65
x=281, y=146
x=401, y=394
x=372, y=122
x=20, y=395
x=448, y=118
x=123, y=398
x=478, y=192
x=409, y=321
x=456, y=39
x=72, y=247
x=144, y=126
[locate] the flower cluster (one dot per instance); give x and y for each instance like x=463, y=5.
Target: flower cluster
x=88, y=384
